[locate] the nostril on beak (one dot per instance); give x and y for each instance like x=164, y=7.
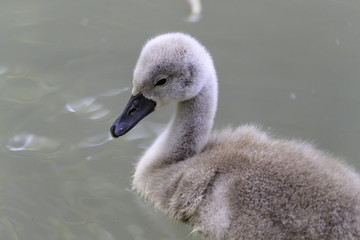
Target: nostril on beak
x=134, y=108
x=132, y=111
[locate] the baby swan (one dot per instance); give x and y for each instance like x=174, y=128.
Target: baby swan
x=237, y=183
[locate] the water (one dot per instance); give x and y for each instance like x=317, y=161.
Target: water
x=65, y=75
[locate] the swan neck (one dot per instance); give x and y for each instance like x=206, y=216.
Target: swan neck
x=192, y=125
x=186, y=134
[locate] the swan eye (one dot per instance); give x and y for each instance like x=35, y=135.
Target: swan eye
x=161, y=82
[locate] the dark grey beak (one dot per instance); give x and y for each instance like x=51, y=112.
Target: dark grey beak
x=137, y=108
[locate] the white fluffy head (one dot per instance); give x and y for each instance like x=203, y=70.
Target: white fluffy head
x=179, y=61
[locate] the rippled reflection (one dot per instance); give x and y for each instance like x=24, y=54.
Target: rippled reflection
x=94, y=141
x=195, y=14
x=91, y=107
x=2, y=70
x=113, y=92
x=21, y=87
x=79, y=104
x=32, y=142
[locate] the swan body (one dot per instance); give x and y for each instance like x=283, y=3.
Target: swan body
x=236, y=183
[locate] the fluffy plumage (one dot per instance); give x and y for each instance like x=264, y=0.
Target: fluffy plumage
x=237, y=183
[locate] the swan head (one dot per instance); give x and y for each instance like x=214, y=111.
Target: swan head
x=172, y=67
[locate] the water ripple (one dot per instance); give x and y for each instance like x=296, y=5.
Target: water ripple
x=22, y=89
x=94, y=141
x=32, y=142
x=90, y=105
x=79, y=104
x=113, y=92
x=3, y=70
x=21, y=85
x=100, y=114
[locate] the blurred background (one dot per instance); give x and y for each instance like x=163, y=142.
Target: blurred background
x=292, y=66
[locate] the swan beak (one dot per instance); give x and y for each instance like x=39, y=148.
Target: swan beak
x=137, y=108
